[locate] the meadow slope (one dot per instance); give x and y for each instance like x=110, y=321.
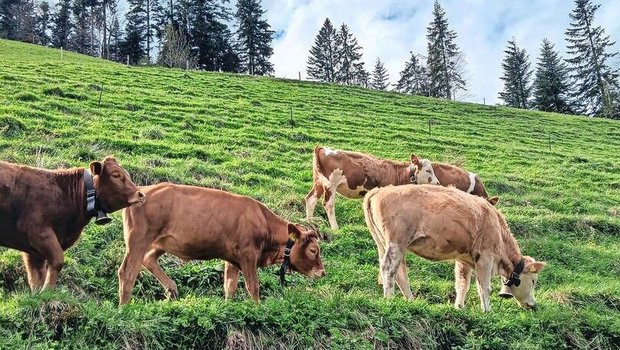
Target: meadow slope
x=558, y=179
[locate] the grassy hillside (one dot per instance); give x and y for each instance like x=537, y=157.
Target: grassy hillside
x=558, y=179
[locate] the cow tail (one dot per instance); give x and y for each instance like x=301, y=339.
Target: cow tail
x=370, y=222
x=316, y=165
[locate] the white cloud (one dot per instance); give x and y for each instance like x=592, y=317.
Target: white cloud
x=390, y=29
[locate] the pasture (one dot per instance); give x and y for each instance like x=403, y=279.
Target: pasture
x=558, y=179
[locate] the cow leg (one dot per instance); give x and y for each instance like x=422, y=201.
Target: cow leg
x=402, y=280
x=129, y=269
x=312, y=198
x=389, y=265
x=150, y=262
x=329, y=202
x=231, y=280
x=250, y=275
x=483, y=282
x=462, y=281
x=35, y=269
x=48, y=247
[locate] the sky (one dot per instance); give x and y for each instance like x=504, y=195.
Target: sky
x=390, y=30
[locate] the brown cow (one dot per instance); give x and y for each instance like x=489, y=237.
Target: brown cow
x=443, y=223
x=353, y=174
x=450, y=175
x=43, y=212
x=202, y=223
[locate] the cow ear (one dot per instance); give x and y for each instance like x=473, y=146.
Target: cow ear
x=535, y=267
x=96, y=168
x=493, y=200
x=293, y=232
x=415, y=160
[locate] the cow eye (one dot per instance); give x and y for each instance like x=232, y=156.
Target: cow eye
x=312, y=250
x=117, y=175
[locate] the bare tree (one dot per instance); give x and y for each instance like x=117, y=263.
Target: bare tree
x=176, y=51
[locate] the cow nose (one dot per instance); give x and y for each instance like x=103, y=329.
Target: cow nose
x=529, y=306
x=141, y=195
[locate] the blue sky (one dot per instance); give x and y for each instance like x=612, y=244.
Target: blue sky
x=390, y=29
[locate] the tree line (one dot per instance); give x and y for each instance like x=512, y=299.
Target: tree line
x=202, y=34
x=584, y=83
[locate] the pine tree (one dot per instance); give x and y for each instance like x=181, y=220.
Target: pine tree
x=361, y=77
x=62, y=25
x=132, y=45
x=323, y=55
x=115, y=37
x=414, y=79
x=516, y=77
x=380, y=78
x=43, y=24
x=7, y=18
x=445, y=61
x=254, y=36
x=349, y=56
x=80, y=40
x=24, y=17
x=596, y=82
x=551, y=87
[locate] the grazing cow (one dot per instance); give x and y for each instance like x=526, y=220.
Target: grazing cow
x=202, y=223
x=443, y=223
x=450, y=175
x=353, y=174
x=43, y=212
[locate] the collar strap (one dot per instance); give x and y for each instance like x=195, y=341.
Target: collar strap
x=287, y=261
x=412, y=177
x=515, y=276
x=94, y=207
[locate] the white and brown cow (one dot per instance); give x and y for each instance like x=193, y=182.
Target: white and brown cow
x=442, y=223
x=450, y=175
x=353, y=174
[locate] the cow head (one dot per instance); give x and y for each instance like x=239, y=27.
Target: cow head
x=306, y=253
x=424, y=173
x=114, y=187
x=524, y=292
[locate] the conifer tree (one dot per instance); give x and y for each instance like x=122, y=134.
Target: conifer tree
x=43, y=24
x=115, y=37
x=135, y=32
x=380, y=78
x=7, y=18
x=551, y=87
x=596, y=82
x=414, y=79
x=348, y=51
x=517, y=76
x=62, y=25
x=322, y=63
x=254, y=36
x=24, y=16
x=445, y=61
x=80, y=40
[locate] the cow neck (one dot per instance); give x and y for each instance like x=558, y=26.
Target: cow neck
x=512, y=263
x=71, y=182
x=405, y=174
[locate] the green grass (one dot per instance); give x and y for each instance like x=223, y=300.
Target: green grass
x=232, y=132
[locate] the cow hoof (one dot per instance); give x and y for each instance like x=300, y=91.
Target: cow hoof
x=172, y=294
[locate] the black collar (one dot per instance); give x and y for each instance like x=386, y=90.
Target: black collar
x=515, y=276
x=287, y=260
x=94, y=207
x=412, y=177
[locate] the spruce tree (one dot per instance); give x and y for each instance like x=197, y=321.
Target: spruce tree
x=80, y=40
x=323, y=60
x=349, y=53
x=115, y=37
x=444, y=61
x=43, y=24
x=62, y=25
x=517, y=76
x=254, y=36
x=596, y=82
x=414, y=79
x=135, y=32
x=7, y=18
x=551, y=87
x=25, y=21
x=380, y=78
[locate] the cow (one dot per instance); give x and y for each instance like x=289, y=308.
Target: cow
x=43, y=212
x=353, y=174
x=443, y=223
x=450, y=175
x=201, y=223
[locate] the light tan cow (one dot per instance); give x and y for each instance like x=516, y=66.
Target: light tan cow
x=353, y=174
x=443, y=223
x=202, y=223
